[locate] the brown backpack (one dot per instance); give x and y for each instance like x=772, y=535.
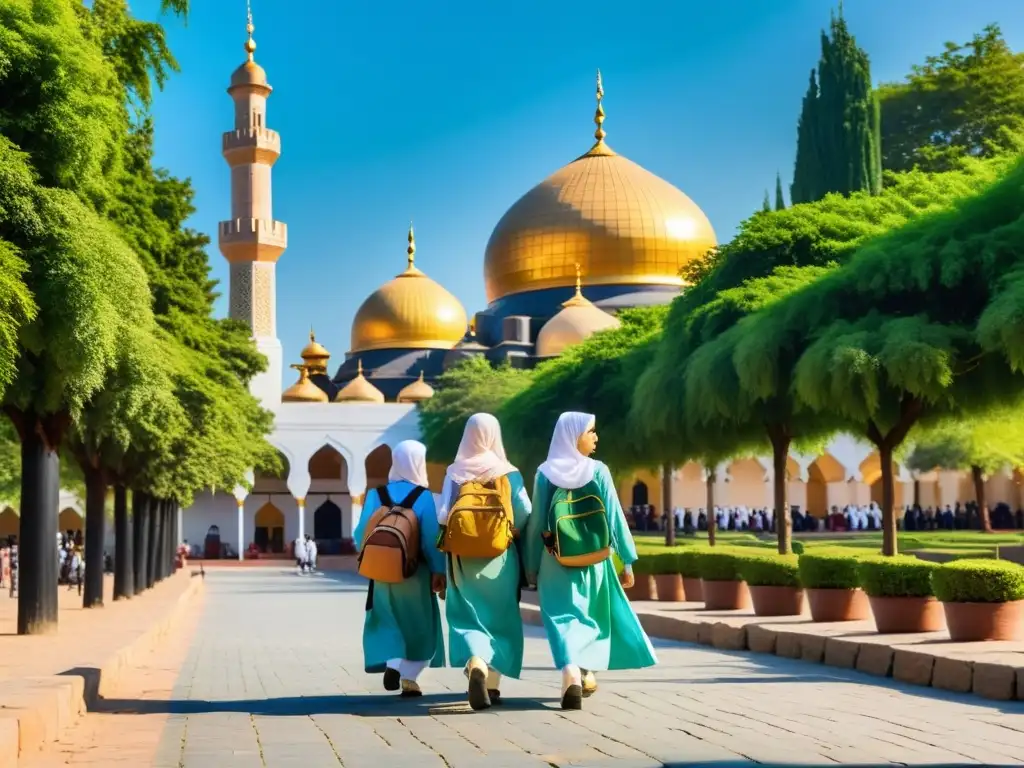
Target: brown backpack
x=390, y=551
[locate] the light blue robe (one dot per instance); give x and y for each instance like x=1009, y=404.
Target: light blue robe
x=587, y=616
x=405, y=621
x=482, y=604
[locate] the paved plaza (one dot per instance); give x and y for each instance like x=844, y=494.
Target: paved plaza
x=270, y=674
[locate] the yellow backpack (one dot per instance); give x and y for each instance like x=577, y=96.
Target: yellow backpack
x=480, y=521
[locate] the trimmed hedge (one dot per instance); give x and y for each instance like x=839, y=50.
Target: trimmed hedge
x=644, y=566
x=896, y=576
x=979, y=581
x=664, y=563
x=829, y=571
x=770, y=570
x=798, y=548
x=715, y=565
x=689, y=564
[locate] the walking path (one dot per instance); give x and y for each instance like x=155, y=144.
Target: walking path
x=270, y=674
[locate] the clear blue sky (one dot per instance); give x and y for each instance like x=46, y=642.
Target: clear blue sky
x=446, y=112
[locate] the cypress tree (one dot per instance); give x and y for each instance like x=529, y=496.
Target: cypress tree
x=780, y=201
x=838, y=134
x=766, y=206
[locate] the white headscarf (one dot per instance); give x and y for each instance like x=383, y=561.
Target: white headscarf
x=481, y=454
x=566, y=467
x=409, y=462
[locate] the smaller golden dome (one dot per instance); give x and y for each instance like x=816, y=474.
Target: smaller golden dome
x=304, y=390
x=359, y=390
x=578, y=321
x=315, y=355
x=415, y=392
x=250, y=73
x=410, y=311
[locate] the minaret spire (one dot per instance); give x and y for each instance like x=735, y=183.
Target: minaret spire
x=578, y=300
x=250, y=44
x=599, y=134
x=411, y=250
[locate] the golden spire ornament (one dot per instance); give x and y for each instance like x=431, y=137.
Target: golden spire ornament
x=411, y=250
x=250, y=44
x=578, y=299
x=599, y=134
x=359, y=368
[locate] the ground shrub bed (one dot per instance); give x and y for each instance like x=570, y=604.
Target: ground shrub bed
x=895, y=576
x=978, y=581
x=770, y=570
x=824, y=570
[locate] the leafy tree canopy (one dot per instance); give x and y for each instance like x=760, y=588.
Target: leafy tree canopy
x=966, y=102
x=991, y=442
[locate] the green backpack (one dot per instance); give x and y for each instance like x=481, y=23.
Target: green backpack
x=580, y=535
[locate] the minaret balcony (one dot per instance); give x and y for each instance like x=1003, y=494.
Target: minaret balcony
x=251, y=145
x=243, y=240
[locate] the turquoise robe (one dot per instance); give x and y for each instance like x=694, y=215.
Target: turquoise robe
x=405, y=621
x=482, y=604
x=587, y=616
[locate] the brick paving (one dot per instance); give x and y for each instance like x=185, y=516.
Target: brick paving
x=271, y=675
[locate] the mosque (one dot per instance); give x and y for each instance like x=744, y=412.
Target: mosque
x=599, y=234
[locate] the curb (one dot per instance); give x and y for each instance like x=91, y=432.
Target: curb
x=907, y=663
x=36, y=711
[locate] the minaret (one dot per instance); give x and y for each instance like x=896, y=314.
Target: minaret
x=251, y=240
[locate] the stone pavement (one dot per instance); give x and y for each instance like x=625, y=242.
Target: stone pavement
x=272, y=676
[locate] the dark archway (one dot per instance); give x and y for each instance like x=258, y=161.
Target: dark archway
x=327, y=527
x=639, y=493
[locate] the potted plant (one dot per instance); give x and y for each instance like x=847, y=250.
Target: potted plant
x=723, y=588
x=832, y=586
x=774, y=583
x=668, y=582
x=643, y=587
x=689, y=569
x=982, y=599
x=900, y=592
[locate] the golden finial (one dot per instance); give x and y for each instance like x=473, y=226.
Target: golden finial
x=303, y=371
x=421, y=374
x=579, y=281
x=359, y=368
x=599, y=134
x=411, y=250
x=312, y=336
x=577, y=300
x=250, y=44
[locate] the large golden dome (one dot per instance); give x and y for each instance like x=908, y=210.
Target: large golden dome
x=409, y=312
x=620, y=222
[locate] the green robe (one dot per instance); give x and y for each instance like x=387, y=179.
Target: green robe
x=482, y=604
x=587, y=616
x=404, y=621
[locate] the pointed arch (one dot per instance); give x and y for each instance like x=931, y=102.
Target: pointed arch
x=327, y=525
x=10, y=523
x=268, y=530
x=70, y=520
x=378, y=465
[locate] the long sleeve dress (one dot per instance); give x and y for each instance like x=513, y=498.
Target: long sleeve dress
x=587, y=616
x=482, y=604
x=403, y=620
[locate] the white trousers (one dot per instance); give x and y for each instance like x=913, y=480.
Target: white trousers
x=409, y=670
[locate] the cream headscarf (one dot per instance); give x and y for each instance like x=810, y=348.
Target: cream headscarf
x=566, y=467
x=481, y=456
x=409, y=462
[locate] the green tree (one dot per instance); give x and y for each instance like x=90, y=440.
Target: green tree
x=472, y=386
x=982, y=446
x=766, y=205
x=838, y=134
x=967, y=101
x=780, y=199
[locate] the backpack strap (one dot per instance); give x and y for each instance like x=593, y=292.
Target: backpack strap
x=413, y=497
x=385, y=497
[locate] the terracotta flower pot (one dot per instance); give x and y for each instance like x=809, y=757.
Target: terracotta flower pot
x=669, y=587
x=899, y=615
x=725, y=595
x=838, y=604
x=971, y=622
x=644, y=588
x=777, y=601
x=693, y=588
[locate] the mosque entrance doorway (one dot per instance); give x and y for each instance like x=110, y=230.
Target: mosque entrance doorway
x=639, y=493
x=327, y=528
x=269, y=533
x=9, y=524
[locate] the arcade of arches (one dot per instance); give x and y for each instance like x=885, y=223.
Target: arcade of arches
x=69, y=520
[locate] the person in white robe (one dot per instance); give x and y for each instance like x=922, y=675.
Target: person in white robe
x=300, y=554
x=311, y=552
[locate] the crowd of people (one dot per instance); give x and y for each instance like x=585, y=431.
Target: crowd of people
x=482, y=542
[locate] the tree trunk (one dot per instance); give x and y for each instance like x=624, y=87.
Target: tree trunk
x=37, y=533
x=978, y=476
x=712, y=519
x=95, y=530
x=889, y=545
x=124, y=583
x=666, y=505
x=780, y=439
x=140, y=513
x=168, y=536
x=153, y=548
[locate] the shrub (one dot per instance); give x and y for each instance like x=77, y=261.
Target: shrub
x=665, y=563
x=829, y=571
x=719, y=566
x=770, y=570
x=644, y=566
x=798, y=548
x=689, y=564
x=978, y=581
x=895, y=576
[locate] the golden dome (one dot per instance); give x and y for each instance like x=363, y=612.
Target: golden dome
x=359, y=390
x=304, y=390
x=621, y=222
x=415, y=392
x=315, y=355
x=578, y=320
x=409, y=312
x=250, y=73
